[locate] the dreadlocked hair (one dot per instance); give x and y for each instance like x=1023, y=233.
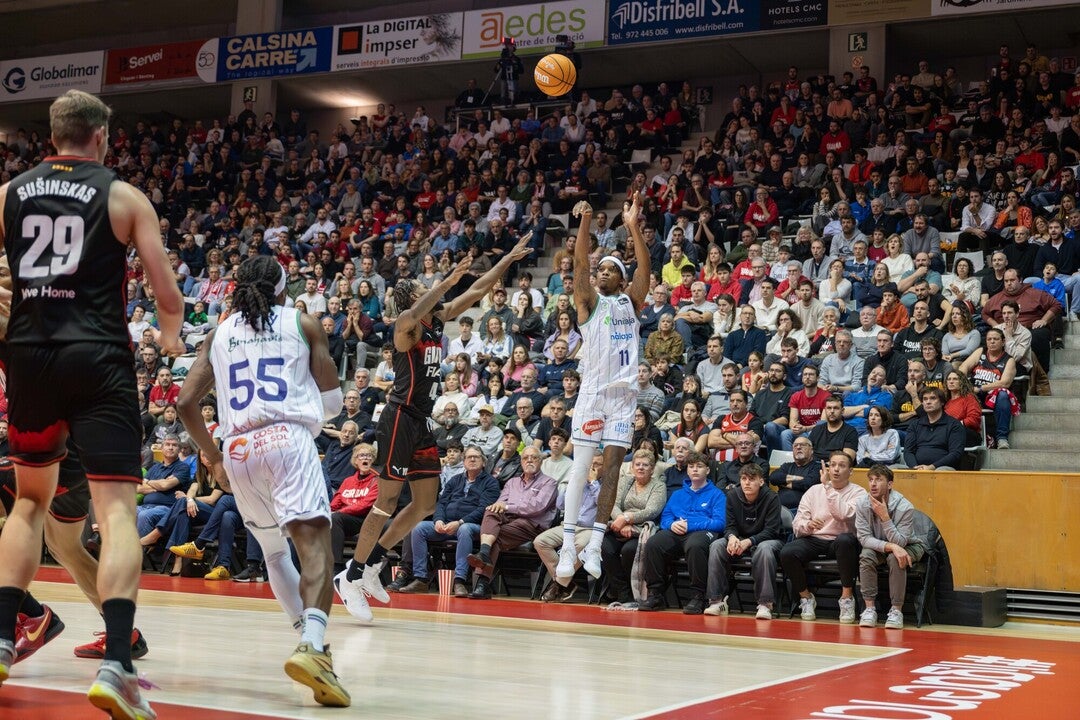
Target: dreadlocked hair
x=253, y=296
x=403, y=294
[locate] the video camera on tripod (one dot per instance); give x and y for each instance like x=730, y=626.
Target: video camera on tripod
x=507, y=70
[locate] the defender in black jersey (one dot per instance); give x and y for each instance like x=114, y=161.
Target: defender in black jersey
x=66, y=226
x=406, y=446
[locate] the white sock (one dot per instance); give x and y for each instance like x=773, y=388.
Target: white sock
x=597, y=536
x=314, y=628
x=283, y=576
x=579, y=475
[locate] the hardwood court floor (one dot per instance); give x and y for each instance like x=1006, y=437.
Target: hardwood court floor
x=216, y=651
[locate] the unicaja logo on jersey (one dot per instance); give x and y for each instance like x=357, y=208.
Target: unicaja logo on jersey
x=238, y=450
x=593, y=426
x=15, y=80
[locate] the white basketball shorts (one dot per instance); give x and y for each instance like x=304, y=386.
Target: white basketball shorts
x=605, y=417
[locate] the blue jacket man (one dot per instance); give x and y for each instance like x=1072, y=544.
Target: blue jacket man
x=693, y=517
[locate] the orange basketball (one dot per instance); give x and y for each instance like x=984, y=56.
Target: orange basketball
x=555, y=75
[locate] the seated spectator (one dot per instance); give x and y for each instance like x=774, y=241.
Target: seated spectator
x=649, y=397
x=168, y=424
x=992, y=370
x=557, y=464
x=557, y=419
x=162, y=481
x=891, y=314
x=639, y=500
x=551, y=374
x=449, y=428
x=842, y=370
x=1039, y=312
x=962, y=338
x=767, y=309
x=894, y=363
x=747, y=445
x=194, y=505
x=452, y=394
x=666, y=375
x=806, y=407
x=909, y=340
x=885, y=527
x=753, y=528
x=824, y=526
x=788, y=325
x=337, y=463
x=664, y=341
x=725, y=432
x=880, y=444
x=485, y=434
x=550, y=542
x=351, y=411
x=690, y=425
x=524, y=509
x=694, y=322
x=221, y=528
x=649, y=317
x=458, y=513
x=857, y=404
x=507, y=464
x=353, y=500
x=864, y=337
x=963, y=405
x=792, y=362
x=934, y=441
x=834, y=434
x=692, y=518
x=163, y=393
x=792, y=479
x=746, y=338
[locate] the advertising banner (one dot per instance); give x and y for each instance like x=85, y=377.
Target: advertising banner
x=964, y=7
x=152, y=63
x=289, y=52
x=47, y=77
x=402, y=41
x=848, y=12
x=637, y=21
x=533, y=27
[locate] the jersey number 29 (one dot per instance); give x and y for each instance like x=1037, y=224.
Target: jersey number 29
x=64, y=234
x=270, y=387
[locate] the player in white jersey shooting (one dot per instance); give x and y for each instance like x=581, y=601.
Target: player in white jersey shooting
x=277, y=386
x=604, y=413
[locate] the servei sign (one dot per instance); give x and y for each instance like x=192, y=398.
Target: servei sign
x=152, y=63
x=48, y=77
x=264, y=55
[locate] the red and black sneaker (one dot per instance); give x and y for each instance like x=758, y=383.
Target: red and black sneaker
x=31, y=634
x=96, y=649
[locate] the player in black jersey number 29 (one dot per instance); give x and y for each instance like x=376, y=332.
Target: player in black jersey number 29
x=66, y=227
x=406, y=447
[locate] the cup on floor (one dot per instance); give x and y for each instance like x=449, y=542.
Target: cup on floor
x=446, y=582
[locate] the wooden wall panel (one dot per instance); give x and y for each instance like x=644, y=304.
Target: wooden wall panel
x=1016, y=530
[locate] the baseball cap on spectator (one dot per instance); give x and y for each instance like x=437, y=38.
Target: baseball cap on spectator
x=486, y=409
x=511, y=430
x=775, y=229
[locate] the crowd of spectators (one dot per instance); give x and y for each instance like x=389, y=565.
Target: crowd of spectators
x=802, y=297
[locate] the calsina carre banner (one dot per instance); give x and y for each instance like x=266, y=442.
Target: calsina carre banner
x=274, y=54
x=640, y=21
x=46, y=77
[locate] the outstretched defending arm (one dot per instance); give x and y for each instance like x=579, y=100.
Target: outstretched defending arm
x=407, y=323
x=584, y=292
x=639, y=285
x=471, y=296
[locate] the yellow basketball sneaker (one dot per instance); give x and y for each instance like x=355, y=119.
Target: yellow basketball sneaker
x=218, y=573
x=187, y=550
x=316, y=670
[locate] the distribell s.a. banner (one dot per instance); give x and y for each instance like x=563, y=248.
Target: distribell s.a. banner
x=638, y=21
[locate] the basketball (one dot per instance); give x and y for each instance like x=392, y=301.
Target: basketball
x=555, y=75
